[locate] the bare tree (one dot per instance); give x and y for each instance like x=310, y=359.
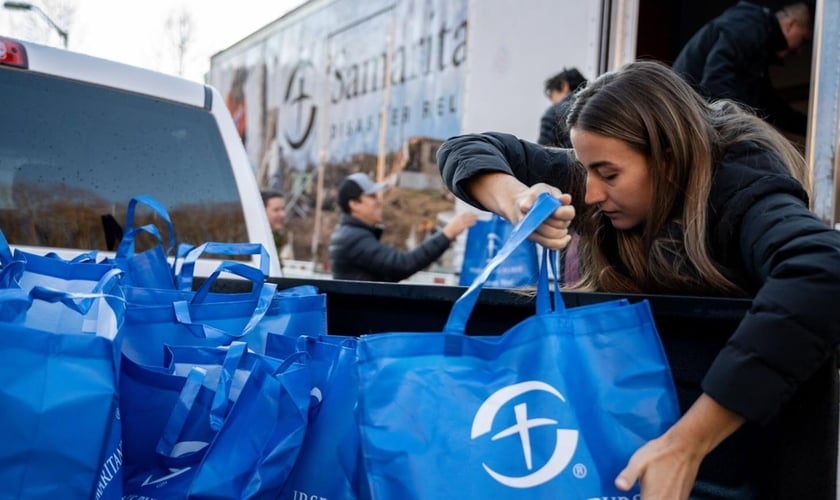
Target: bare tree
x=179, y=25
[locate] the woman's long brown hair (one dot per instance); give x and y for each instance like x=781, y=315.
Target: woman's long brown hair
x=657, y=114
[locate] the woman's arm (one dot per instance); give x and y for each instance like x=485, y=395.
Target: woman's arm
x=502, y=174
x=792, y=328
x=667, y=466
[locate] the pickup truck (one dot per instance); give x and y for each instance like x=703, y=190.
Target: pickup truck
x=80, y=136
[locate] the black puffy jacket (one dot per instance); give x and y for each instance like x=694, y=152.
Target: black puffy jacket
x=730, y=57
x=357, y=254
x=760, y=230
x=552, y=124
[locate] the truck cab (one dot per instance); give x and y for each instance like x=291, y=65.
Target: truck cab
x=81, y=136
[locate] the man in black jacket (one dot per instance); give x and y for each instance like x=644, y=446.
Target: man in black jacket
x=355, y=250
x=730, y=58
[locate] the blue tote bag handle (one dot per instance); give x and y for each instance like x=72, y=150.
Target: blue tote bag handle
x=157, y=208
x=11, y=273
x=221, y=399
x=187, y=272
x=170, y=448
x=250, y=273
x=222, y=395
x=263, y=291
x=168, y=444
x=82, y=258
x=149, y=269
x=461, y=310
x=81, y=302
x=126, y=247
x=5, y=250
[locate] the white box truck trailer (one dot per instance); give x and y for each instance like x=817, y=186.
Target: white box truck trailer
x=343, y=85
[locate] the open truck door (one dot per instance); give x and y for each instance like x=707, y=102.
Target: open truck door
x=809, y=81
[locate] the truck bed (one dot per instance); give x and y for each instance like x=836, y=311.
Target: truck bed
x=793, y=456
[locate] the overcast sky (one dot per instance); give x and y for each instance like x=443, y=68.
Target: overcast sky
x=135, y=32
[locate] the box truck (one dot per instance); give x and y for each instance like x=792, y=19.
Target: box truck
x=336, y=86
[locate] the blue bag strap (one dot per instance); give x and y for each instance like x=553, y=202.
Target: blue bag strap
x=187, y=272
x=158, y=209
x=233, y=358
x=545, y=304
x=82, y=258
x=295, y=357
x=250, y=273
x=461, y=310
x=232, y=362
x=11, y=273
x=201, y=330
x=81, y=302
x=126, y=247
x=5, y=250
x=543, y=295
x=169, y=439
x=181, y=251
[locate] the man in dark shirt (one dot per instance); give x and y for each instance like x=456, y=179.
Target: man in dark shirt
x=355, y=250
x=730, y=58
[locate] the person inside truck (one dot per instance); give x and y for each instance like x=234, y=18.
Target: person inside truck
x=356, y=252
x=730, y=57
x=672, y=194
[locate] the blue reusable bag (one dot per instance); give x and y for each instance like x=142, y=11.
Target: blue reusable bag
x=224, y=439
x=484, y=240
x=150, y=393
x=327, y=466
x=150, y=268
x=155, y=318
x=553, y=408
x=60, y=428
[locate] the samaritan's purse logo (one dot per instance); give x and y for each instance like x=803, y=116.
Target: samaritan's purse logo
x=564, y=447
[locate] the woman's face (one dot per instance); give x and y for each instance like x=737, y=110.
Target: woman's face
x=618, y=178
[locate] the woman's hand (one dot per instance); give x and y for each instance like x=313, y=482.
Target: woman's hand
x=554, y=232
x=666, y=467
x=503, y=194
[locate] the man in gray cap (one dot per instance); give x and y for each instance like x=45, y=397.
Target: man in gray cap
x=356, y=252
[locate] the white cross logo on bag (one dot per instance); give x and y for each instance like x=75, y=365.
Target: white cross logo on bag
x=564, y=448
x=494, y=243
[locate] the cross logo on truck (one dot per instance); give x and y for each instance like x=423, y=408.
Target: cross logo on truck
x=297, y=84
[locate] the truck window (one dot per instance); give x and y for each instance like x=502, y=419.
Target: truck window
x=76, y=152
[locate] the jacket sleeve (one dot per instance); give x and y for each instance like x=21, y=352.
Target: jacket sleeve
x=793, y=325
x=394, y=265
x=462, y=157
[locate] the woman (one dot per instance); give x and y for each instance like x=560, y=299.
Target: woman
x=680, y=197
